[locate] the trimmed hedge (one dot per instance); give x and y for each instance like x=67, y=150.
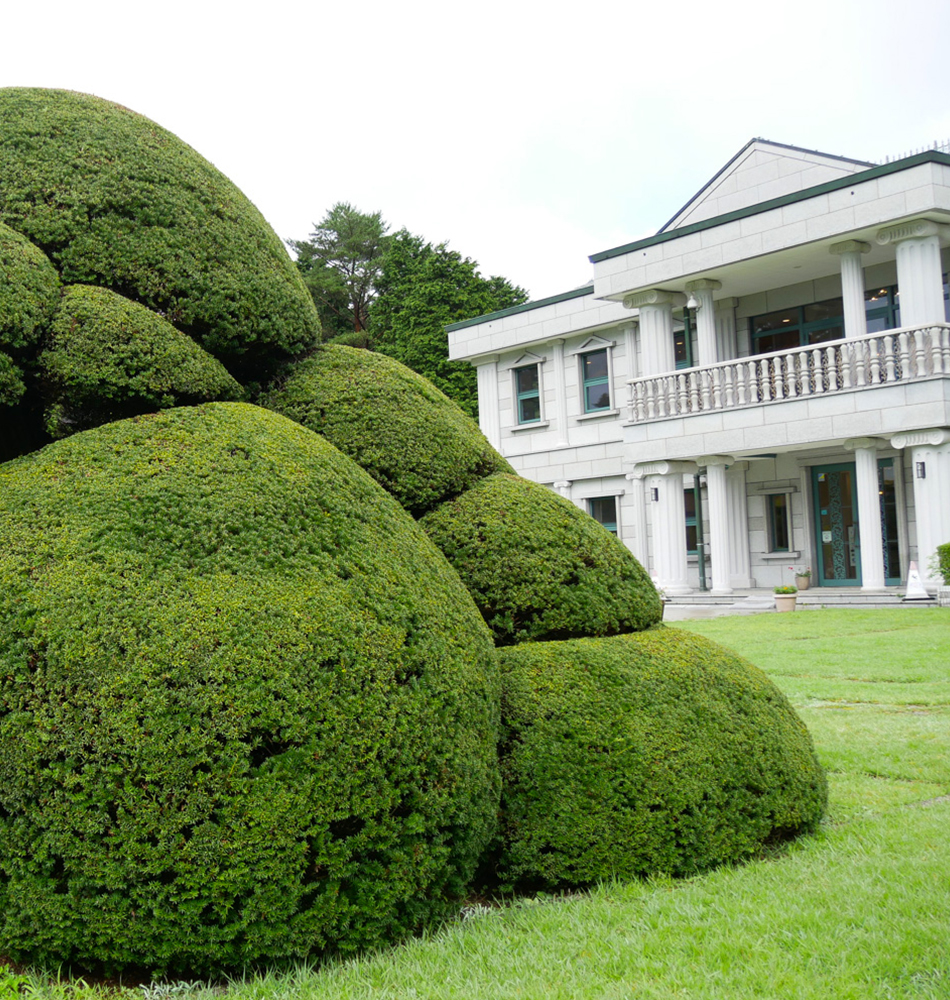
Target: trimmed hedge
x=29, y=291
x=647, y=753
x=247, y=711
x=11, y=383
x=411, y=438
x=540, y=568
x=109, y=358
x=117, y=201
x=943, y=562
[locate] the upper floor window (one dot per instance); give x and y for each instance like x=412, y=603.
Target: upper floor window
x=595, y=376
x=604, y=511
x=798, y=327
x=528, y=394
x=683, y=342
x=882, y=307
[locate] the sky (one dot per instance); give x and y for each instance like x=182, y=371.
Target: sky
x=527, y=135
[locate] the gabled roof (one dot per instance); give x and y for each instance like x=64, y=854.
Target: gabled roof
x=760, y=171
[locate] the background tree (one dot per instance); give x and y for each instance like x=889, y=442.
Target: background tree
x=422, y=288
x=340, y=264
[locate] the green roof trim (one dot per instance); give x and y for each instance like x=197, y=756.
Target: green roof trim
x=930, y=156
x=574, y=293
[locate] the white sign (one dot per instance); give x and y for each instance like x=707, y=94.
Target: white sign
x=915, y=586
x=826, y=536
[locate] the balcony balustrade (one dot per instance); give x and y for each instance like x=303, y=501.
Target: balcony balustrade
x=847, y=365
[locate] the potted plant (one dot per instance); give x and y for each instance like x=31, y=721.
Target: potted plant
x=802, y=577
x=785, y=598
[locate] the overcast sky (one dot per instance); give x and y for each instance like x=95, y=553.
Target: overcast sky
x=526, y=134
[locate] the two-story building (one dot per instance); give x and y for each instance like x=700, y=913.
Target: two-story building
x=765, y=381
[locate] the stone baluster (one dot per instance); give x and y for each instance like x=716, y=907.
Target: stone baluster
x=832, y=357
x=890, y=361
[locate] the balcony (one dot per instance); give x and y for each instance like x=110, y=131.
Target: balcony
x=850, y=365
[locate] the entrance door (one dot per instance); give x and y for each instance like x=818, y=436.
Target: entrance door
x=836, y=517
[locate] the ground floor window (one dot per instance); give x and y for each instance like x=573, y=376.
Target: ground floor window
x=604, y=511
x=778, y=522
x=692, y=536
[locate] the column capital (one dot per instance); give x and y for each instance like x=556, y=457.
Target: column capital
x=642, y=469
x=703, y=285
x=915, y=229
x=564, y=484
x=715, y=459
x=486, y=359
x=852, y=444
x=934, y=436
x=849, y=246
x=653, y=297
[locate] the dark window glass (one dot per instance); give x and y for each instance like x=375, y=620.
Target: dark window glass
x=778, y=523
x=604, y=511
x=692, y=538
x=829, y=309
x=775, y=321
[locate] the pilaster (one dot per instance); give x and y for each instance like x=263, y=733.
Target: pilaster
x=740, y=559
x=701, y=293
x=656, y=328
x=930, y=469
x=668, y=511
x=717, y=496
x=919, y=270
x=489, y=417
x=852, y=285
x=637, y=509
x=560, y=393
x=870, y=530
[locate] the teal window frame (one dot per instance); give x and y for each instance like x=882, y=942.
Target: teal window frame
x=683, y=342
x=795, y=320
x=525, y=396
x=595, y=382
x=604, y=511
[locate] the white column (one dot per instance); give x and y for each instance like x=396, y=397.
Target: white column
x=560, y=393
x=668, y=512
x=740, y=560
x=489, y=417
x=919, y=271
x=930, y=469
x=869, y=511
x=717, y=496
x=637, y=508
x=656, y=328
x=726, y=329
x=852, y=285
x=701, y=291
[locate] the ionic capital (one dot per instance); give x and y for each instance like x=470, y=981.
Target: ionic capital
x=934, y=436
x=849, y=246
x=653, y=297
x=915, y=229
x=853, y=444
x=703, y=285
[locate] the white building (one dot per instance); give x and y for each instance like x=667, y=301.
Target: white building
x=767, y=379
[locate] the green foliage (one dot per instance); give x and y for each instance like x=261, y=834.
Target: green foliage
x=115, y=200
x=943, y=562
x=340, y=264
x=540, y=568
x=422, y=288
x=413, y=441
x=11, y=382
x=29, y=290
x=785, y=589
x=109, y=358
x=247, y=711
x=659, y=752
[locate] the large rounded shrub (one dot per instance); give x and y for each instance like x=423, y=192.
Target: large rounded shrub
x=540, y=568
x=115, y=200
x=654, y=752
x=247, y=711
x=29, y=290
x=410, y=437
x=108, y=357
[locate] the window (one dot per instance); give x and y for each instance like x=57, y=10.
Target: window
x=882, y=307
x=595, y=377
x=604, y=511
x=683, y=342
x=692, y=538
x=528, y=394
x=777, y=510
x=798, y=327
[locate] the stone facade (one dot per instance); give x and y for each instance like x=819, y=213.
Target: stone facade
x=764, y=384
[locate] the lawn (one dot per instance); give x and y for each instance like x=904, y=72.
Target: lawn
x=860, y=910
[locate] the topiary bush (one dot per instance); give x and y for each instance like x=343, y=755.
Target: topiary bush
x=108, y=358
x=943, y=562
x=654, y=752
x=411, y=438
x=114, y=200
x=540, y=568
x=29, y=292
x=247, y=711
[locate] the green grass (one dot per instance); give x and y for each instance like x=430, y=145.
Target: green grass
x=858, y=911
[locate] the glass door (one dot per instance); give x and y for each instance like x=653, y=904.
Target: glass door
x=836, y=522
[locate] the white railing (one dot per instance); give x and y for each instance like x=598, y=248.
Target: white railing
x=839, y=366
